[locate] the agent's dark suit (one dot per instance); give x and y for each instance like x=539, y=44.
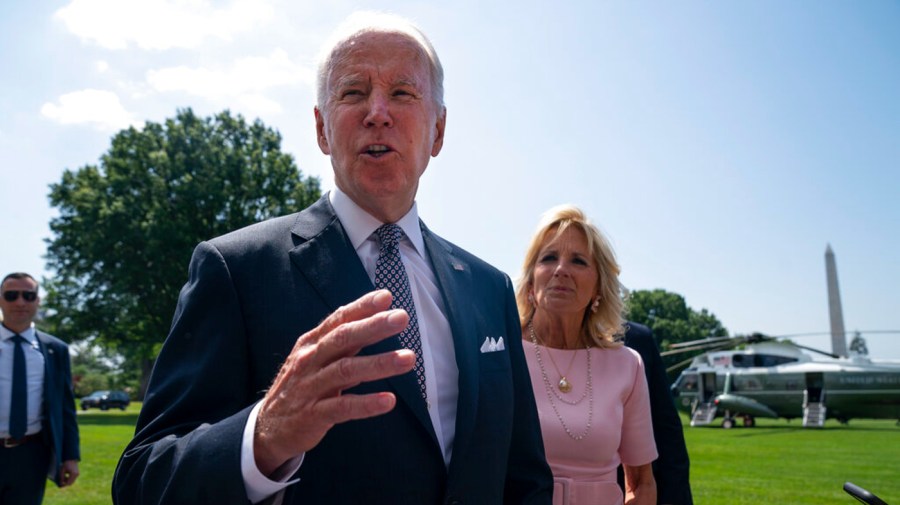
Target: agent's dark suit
x=58, y=438
x=250, y=294
x=671, y=469
x=60, y=427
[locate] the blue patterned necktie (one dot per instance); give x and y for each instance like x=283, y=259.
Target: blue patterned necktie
x=390, y=274
x=18, y=407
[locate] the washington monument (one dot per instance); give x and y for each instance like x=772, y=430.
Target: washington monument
x=835, y=312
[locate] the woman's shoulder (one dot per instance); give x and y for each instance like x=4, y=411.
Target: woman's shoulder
x=620, y=354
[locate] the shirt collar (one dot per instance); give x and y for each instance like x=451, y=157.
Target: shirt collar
x=360, y=225
x=28, y=334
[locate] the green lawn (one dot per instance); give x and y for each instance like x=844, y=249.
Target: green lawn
x=780, y=462
x=103, y=438
x=775, y=463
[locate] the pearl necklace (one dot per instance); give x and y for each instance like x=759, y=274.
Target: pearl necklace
x=551, y=391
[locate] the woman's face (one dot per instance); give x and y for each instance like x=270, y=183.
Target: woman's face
x=565, y=277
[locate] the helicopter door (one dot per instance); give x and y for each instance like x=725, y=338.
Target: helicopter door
x=707, y=387
x=705, y=408
x=814, y=409
x=815, y=381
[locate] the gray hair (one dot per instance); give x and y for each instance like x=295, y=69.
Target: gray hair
x=364, y=22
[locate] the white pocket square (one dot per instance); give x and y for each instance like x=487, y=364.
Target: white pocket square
x=491, y=345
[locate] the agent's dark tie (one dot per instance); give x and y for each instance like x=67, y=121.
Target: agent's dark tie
x=18, y=407
x=391, y=275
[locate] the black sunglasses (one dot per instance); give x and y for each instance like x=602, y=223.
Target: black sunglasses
x=28, y=296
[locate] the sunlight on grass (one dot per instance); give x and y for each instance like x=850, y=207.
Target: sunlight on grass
x=104, y=436
x=776, y=462
x=781, y=462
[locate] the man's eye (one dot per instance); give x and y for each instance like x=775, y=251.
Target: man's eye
x=351, y=93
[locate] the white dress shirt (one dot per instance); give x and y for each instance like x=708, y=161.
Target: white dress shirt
x=438, y=354
x=34, y=366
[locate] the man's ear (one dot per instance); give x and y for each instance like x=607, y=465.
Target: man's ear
x=320, y=132
x=439, y=132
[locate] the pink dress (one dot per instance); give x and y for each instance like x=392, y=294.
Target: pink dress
x=584, y=471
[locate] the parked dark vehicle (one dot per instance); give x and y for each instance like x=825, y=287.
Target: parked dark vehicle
x=104, y=400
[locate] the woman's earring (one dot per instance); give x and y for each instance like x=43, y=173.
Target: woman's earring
x=596, y=304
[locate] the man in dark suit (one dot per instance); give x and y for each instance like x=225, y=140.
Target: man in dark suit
x=671, y=469
x=38, y=430
x=441, y=413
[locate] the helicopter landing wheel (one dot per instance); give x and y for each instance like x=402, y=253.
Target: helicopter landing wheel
x=749, y=422
x=728, y=423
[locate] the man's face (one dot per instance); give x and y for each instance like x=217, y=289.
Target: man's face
x=18, y=314
x=380, y=124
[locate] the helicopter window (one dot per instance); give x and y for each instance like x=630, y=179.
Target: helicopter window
x=761, y=360
x=741, y=361
x=771, y=360
x=688, y=383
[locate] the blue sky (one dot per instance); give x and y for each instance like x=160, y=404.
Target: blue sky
x=720, y=145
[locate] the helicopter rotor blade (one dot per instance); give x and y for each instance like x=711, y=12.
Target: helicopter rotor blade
x=813, y=349
x=715, y=346
x=700, y=342
x=681, y=364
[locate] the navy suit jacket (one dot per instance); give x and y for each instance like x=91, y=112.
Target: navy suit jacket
x=250, y=294
x=60, y=427
x=671, y=468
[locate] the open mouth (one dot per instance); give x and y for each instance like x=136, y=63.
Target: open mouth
x=377, y=150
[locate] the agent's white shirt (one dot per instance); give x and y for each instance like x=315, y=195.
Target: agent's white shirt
x=34, y=371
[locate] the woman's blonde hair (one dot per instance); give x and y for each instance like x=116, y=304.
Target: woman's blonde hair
x=599, y=328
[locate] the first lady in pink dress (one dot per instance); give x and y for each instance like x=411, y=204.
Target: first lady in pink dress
x=591, y=391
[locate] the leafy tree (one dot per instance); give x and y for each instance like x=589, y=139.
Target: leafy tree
x=94, y=369
x=672, y=320
x=126, y=228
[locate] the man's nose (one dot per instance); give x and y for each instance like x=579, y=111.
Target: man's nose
x=379, y=113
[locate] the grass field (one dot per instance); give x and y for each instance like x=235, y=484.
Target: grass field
x=775, y=463
x=103, y=438
x=778, y=462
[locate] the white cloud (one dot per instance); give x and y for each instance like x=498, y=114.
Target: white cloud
x=101, y=66
x=160, y=24
x=259, y=105
x=245, y=80
x=92, y=106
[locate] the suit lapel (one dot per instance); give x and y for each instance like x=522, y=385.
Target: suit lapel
x=454, y=277
x=49, y=370
x=326, y=257
x=328, y=261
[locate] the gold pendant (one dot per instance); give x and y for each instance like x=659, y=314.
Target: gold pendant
x=564, y=385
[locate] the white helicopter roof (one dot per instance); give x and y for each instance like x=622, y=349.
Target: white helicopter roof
x=785, y=352
x=788, y=358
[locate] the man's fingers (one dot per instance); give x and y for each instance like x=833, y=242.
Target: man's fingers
x=348, y=372
x=348, y=338
x=361, y=308
x=349, y=407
